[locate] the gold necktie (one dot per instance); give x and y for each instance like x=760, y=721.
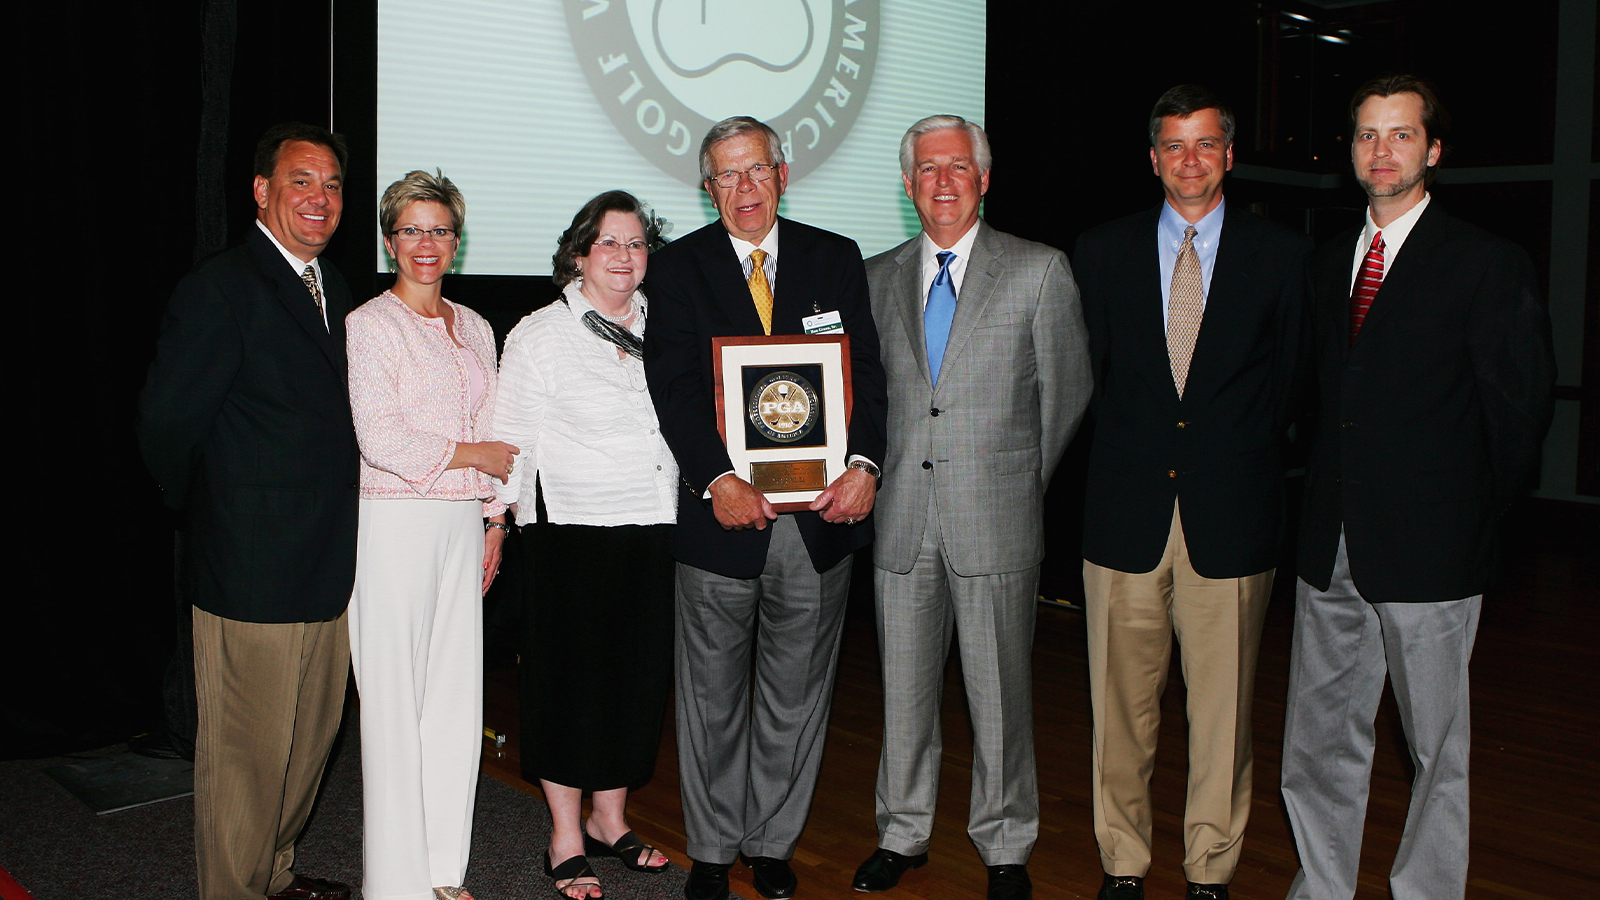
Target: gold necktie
x=760, y=291
x=1184, y=309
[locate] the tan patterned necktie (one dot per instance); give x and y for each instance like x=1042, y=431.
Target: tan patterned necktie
x=309, y=276
x=1185, y=305
x=760, y=291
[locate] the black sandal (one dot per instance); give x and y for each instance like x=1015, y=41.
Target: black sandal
x=570, y=871
x=627, y=850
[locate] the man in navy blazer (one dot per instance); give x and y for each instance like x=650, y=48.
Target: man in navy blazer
x=755, y=589
x=245, y=423
x=1434, y=373
x=1194, y=312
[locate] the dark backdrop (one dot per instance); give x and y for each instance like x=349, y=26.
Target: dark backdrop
x=138, y=125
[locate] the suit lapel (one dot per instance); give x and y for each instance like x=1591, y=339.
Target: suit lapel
x=725, y=278
x=1230, y=276
x=795, y=294
x=296, y=298
x=984, y=271
x=1400, y=279
x=907, y=293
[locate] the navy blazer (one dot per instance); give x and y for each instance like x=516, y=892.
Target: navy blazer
x=1219, y=449
x=245, y=423
x=1432, y=420
x=697, y=291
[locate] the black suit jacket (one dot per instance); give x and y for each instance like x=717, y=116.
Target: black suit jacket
x=1432, y=420
x=697, y=292
x=1220, y=448
x=245, y=423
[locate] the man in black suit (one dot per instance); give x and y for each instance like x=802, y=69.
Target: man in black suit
x=748, y=764
x=245, y=423
x=1434, y=369
x=1194, y=313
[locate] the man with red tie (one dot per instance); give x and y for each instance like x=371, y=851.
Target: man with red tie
x=1434, y=369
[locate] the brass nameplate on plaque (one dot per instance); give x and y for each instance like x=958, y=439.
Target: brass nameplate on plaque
x=789, y=475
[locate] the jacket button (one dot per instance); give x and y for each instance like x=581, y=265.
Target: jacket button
x=1172, y=473
x=934, y=411
x=927, y=464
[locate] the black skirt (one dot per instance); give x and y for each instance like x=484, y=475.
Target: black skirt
x=596, y=652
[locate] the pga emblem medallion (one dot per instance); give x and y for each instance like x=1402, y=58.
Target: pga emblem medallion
x=665, y=71
x=783, y=407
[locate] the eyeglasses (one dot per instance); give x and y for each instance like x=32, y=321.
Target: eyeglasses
x=758, y=173
x=611, y=246
x=409, y=234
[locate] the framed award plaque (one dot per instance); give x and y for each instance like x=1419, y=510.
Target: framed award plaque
x=783, y=409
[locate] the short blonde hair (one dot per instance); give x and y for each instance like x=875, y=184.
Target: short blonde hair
x=418, y=187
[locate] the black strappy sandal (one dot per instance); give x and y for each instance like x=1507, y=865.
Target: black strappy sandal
x=628, y=849
x=570, y=871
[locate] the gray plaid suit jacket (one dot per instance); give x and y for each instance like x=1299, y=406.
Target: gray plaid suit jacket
x=1012, y=389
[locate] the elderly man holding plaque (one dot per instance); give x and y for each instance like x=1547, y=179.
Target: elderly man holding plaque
x=760, y=594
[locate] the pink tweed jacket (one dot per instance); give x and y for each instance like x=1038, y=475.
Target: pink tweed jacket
x=408, y=394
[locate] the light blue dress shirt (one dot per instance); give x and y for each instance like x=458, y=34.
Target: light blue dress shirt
x=1169, y=238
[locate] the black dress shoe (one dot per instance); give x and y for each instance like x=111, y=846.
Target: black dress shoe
x=1010, y=883
x=707, y=881
x=772, y=877
x=303, y=888
x=1121, y=887
x=883, y=869
x=1206, y=892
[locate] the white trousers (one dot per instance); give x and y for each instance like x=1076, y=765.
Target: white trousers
x=1343, y=648
x=416, y=626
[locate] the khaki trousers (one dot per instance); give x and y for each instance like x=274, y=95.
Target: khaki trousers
x=1131, y=621
x=270, y=697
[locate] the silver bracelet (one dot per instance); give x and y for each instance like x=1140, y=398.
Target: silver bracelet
x=487, y=524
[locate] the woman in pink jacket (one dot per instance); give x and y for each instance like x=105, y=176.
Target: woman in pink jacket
x=422, y=389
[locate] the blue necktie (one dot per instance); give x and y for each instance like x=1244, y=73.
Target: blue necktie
x=941, y=310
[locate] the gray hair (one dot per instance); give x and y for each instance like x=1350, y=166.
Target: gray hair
x=734, y=127
x=419, y=187
x=980, y=141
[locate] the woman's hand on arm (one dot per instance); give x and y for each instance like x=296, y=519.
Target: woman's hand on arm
x=493, y=458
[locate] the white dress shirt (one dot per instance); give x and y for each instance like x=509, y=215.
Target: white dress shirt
x=770, y=266
x=962, y=248
x=1394, y=235
x=584, y=423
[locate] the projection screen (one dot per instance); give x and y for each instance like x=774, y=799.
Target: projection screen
x=532, y=107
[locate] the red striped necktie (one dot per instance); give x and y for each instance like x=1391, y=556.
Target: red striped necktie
x=1368, y=280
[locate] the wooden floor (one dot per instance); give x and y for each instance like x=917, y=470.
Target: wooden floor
x=1535, y=754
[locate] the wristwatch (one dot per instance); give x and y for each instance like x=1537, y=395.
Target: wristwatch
x=867, y=466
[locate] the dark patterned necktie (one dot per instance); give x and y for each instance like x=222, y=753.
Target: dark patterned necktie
x=309, y=276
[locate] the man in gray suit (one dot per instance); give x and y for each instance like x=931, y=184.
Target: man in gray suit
x=983, y=343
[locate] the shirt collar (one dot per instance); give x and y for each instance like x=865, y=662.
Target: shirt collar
x=579, y=304
x=769, y=243
x=1207, y=230
x=962, y=247
x=295, y=262
x=1395, y=233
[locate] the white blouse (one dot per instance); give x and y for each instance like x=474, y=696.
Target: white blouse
x=584, y=423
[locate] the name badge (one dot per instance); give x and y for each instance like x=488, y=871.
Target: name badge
x=823, y=323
